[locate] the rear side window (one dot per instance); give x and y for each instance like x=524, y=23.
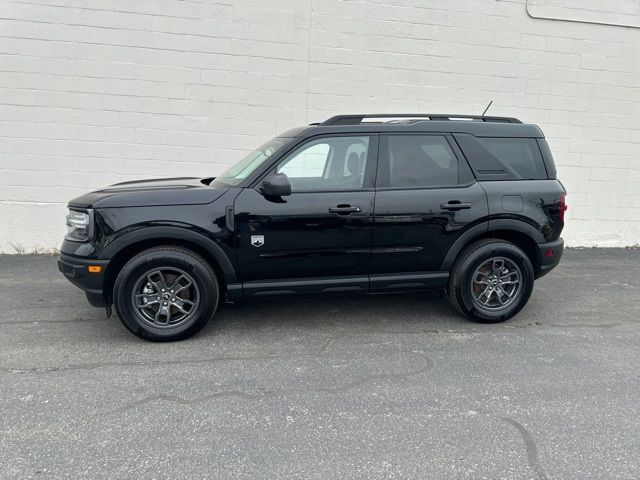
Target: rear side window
x=521, y=154
x=422, y=161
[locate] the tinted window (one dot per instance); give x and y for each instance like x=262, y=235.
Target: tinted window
x=547, y=157
x=330, y=163
x=521, y=154
x=246, y=166
x=421, y=161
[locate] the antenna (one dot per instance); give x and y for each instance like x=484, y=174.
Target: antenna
x=485, y=110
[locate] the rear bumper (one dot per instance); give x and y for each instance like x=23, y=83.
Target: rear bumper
x=549, y=254
x=77, y=272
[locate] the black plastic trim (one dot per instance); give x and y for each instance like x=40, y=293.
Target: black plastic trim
x=376, y=283
x=306, y=285
x=173, y=233
x=462, y=241
x=549, y=263
x=518, y=226
x=408, y=281
x=230, y=218
x=75, y=269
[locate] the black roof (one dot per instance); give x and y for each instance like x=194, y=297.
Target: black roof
x=478, y=125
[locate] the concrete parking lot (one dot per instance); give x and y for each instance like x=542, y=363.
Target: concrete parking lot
x=364, y=387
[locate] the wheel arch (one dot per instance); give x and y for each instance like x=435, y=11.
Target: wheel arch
x=124, y=248
x=521, y=234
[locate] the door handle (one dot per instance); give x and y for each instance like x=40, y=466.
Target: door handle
x=344, y=209
x=455, y=205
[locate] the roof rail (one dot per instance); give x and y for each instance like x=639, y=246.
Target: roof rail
x=356, y=119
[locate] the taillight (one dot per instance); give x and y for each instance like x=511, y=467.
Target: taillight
x=563, y=206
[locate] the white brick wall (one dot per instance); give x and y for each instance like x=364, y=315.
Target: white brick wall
x=95, y=92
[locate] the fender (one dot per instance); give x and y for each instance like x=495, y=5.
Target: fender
x=173, y=233
x=485, y=227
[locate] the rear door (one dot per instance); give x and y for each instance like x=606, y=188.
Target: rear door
x=426, y=196
x=319, y=237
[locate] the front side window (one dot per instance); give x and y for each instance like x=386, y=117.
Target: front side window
x=421, y=161
x=308, y=163
x=329, y=163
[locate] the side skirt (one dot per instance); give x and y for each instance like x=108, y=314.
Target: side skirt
x=348, y=284
x=384, y=282
x=376, y=283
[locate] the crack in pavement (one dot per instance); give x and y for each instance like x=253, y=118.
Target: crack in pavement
x=530, y=445
x=533, y=458
x=155, y=363
x=45, y=322
x=93, y=366
x=323, y=349
x=586, y=325
x=428, y=365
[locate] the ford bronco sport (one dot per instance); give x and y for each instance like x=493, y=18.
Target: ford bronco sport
x=358, y=203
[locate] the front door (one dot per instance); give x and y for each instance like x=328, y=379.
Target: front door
x=319, y=237
x=426, y=197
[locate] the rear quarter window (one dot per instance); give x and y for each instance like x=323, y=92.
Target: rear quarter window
x=503, y=158
x=548, y=158
x=521, y=154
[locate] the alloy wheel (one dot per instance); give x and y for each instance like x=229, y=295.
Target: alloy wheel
x=165, y=297
x=496, y=283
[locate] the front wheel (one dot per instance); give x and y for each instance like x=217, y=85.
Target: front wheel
x=491, y=281
x=166, y=294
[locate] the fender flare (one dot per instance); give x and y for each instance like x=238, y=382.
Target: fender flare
x=517, y=225
x=485, y=227
x=173, y=233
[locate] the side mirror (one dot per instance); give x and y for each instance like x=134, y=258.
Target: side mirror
x=276, y=185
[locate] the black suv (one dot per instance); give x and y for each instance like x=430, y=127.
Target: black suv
x=358, y=203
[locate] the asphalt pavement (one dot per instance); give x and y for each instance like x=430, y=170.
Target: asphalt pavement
x=365, y=387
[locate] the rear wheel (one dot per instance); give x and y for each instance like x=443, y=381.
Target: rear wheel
x=166, y=294
x=491, y=281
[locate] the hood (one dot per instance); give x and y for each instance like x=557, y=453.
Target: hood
x=149, y=193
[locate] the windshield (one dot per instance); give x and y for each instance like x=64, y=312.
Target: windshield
x=241, y=170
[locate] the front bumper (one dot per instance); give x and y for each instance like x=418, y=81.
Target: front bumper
x=549, y=256
x=77, y=272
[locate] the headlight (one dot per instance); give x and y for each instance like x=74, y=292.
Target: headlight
x=78, y=225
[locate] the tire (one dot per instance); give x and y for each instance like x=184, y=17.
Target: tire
x=478, y=271
x=166, y=294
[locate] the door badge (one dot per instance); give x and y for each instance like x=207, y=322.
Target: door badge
x=257, y=240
